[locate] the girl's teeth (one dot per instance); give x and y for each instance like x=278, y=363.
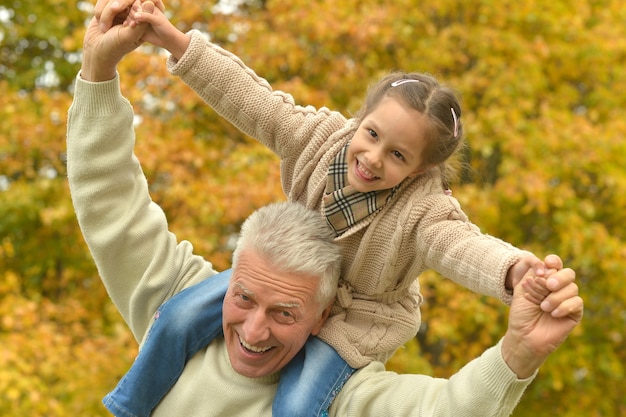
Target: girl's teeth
x=366, y=172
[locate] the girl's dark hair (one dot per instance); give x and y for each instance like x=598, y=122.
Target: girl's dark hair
x=439, y=103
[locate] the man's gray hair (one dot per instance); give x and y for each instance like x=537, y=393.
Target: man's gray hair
x=293, y=239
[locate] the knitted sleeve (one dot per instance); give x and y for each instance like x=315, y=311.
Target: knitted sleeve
x=248, y=101
x=485, y=387
x=458, y=250
x=139, y=261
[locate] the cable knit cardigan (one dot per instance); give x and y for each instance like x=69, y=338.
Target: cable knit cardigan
x=377, y=305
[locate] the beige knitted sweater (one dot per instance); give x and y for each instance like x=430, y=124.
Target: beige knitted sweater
x=377, y=307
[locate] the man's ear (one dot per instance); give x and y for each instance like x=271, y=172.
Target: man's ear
x=318, y=326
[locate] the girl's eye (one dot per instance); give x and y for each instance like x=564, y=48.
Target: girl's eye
x=398, y=155
x=373, y=133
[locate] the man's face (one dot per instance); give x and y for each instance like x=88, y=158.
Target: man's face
x=268, y=316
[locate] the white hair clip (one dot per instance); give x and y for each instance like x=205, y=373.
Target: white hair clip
x=456, y=122
x=404, y=80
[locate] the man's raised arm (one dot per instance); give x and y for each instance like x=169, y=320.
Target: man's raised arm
x=139, y=261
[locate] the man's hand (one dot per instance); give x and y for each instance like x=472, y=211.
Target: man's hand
x=535, y=331
x=131, y=13
x=533, y=264
x=103, y=51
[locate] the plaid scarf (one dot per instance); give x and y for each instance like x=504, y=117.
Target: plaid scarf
x=344, y=206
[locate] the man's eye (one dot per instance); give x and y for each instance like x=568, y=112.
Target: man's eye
x=243, y=300
x=285, y=317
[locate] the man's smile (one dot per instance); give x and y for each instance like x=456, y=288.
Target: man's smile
x=253, y=349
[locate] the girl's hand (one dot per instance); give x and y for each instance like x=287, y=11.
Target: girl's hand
x=161, y=32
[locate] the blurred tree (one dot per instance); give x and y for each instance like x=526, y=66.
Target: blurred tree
x=540, y=85
x=35, y=37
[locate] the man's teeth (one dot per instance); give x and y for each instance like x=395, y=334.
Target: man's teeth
x=254, y=348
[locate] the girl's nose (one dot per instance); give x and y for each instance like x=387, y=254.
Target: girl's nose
x=374, y=158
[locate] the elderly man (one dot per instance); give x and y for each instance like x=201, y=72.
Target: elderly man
x=284, y=275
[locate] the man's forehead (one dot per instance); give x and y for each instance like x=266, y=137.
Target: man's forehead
x=250, y=293
x=261, y=281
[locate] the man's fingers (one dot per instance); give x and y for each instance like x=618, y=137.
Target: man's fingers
x=560, y=279
x=97, y=11
x=158, y=3
x=571, y=308
x=147, y=7
x=556, y=298
x=553, y=262
x=129, y=38
x=110, y=12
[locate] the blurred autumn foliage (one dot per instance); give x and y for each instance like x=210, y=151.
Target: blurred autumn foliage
x=544, y=90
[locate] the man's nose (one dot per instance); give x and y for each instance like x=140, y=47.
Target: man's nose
x=256, y=327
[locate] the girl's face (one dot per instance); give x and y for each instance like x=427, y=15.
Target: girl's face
x=387, y=147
